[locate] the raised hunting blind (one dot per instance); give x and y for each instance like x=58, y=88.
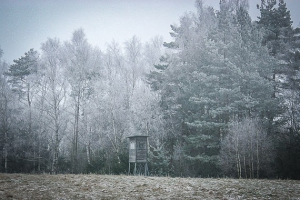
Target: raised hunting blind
x=138, y=154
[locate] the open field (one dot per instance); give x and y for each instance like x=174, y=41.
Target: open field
x=21, y=186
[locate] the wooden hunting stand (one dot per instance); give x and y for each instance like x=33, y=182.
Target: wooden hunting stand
x=138, y=153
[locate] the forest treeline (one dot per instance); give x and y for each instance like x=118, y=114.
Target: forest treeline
x=220, y=100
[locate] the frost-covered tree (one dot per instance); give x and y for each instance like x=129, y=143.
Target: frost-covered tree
x=153, y=50
x=218, y=70
x=127, y=106
x=246, y=151
x=55, y=97
x=23, y=78
x=7, y=109
x=133, y=57
x=82, y=68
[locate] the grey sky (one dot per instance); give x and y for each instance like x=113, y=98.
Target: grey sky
x=26, y=24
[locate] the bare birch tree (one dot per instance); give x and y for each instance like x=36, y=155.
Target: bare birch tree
x=6, y=101
x=83, y=66
x=55, y=97
x=246, y=150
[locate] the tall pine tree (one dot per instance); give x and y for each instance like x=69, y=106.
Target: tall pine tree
x=219, y=70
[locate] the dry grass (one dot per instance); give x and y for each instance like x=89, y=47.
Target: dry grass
x=21, y=186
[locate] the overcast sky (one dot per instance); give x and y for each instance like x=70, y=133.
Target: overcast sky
x=26, y=24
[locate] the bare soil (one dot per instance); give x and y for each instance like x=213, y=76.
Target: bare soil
x=24, y=186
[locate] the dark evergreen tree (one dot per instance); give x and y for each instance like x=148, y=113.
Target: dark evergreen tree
x=22, y=68
x=283, y=43
x=288, y=151
x=277, y=24
x=22, y=75
x=159, y=162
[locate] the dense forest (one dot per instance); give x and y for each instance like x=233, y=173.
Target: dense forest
x=220, y=100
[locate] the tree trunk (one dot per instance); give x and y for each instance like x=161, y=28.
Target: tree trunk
x=245, y=166
x=114, y=140
x=238, y=160
x=56, y=147
x=5, y=151
x=56, y=130
x=252, y=159
x=30, y=126
x=250, y=165
x=39, y=156
x=257, y=156
x=76, y=133
x=88, y=154
x=5, y=128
